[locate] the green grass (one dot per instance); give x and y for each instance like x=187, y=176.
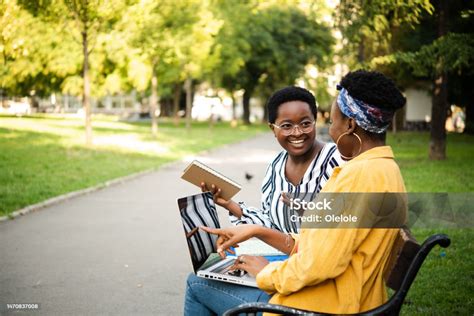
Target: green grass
x=445, y=283
x=44, y=156
x=455, y=174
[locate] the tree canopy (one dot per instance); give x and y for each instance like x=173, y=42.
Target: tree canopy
x=431, y=41
x=98, y=48
x=267, y=48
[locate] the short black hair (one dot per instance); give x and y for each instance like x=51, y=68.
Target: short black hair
x=373, y=88
x=288, y=94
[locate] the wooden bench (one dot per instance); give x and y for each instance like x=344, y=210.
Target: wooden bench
x=405, y=260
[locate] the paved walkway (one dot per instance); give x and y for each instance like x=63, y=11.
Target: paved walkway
x=120, y=250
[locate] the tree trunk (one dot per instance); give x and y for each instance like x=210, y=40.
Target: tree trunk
x=394, y=123
x=189, y=105
x=234, y=107
x=265, y=108
x=211, y=120
x=86, y=89
x=176, y=100
x=3, y=103
x=398, y=122
x=439, y=110
x=246, y=105
x=154, y=102
x=469, y=120
x=361, y=51
x=439, y=105
x=166, y=107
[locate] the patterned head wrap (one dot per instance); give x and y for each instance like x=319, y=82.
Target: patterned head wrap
x=368, y=117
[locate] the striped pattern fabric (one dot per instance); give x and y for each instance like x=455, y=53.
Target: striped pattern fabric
x=273, y=212
x=199, y=210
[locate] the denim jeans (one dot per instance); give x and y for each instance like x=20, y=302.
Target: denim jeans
x=209, y=297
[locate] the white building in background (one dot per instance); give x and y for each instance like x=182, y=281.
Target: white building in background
x=417, y=109
x=205, y=108
x=18, y=107
x=218, y=105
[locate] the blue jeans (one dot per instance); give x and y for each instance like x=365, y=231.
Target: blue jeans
x=209, y=297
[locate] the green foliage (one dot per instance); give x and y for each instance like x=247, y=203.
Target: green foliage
x=323, y=97
x=55, y=35
x=422, y=55
x=455, y=50
x=414, y=50
x=173, y=38
x=289, y=50
x=231, y=48
x=268, y=46
x=235, y=43
x=36, y=56
x=368, y=27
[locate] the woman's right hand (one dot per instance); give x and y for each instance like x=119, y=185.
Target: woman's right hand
x=231, y=236
x=216, y=194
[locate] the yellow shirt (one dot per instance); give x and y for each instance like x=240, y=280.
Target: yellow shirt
x=340, y=270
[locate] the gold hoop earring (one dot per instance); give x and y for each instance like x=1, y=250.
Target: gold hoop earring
x=360, y=145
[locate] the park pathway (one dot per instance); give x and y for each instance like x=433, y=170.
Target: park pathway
x=119, y=250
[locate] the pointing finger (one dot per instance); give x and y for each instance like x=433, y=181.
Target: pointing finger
x=228, y=243
x=214, y=231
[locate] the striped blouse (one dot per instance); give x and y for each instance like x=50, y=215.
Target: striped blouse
x=273, y=212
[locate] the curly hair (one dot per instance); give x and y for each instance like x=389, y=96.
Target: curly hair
x=373, y=88
x=288, y=94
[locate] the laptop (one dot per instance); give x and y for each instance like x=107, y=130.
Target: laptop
x=200, y=210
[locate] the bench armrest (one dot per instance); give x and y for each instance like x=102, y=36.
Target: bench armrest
x=250, y=308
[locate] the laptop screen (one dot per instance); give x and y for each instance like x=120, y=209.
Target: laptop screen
x=199, y=210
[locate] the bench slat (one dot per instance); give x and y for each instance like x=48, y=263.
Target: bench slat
x=402, y=254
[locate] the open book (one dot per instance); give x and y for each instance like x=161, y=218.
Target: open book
x=198, y=172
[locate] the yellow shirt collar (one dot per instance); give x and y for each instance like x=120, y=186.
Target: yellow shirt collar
x=376, y=152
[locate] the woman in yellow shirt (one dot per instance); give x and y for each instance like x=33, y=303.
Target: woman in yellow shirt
x=329, y=270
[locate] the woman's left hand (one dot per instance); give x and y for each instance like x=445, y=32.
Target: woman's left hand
x=252, y=264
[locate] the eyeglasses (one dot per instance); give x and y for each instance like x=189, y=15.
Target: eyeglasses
x=287, y=128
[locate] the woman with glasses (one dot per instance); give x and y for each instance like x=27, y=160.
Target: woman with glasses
x=301, y=169
x=330, y=270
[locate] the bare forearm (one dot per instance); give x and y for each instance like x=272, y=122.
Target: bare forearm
x=234, y=208
x=275, y=238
